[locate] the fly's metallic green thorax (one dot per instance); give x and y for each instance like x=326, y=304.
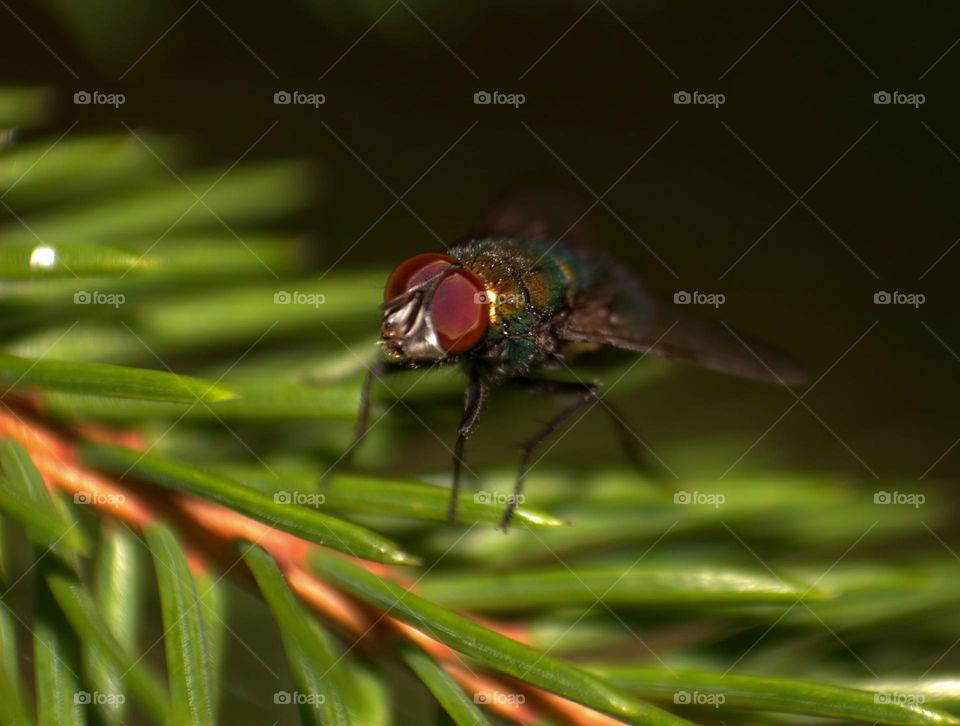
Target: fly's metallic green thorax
x=528, y=283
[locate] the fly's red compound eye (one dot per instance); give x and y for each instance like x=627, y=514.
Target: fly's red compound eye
x=459, y=308
x=414, y=271
x=460, y=311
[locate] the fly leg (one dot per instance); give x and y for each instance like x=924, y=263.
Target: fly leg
x=584, y=393
x=630, y=443
x=474, y=401
x=376, y=373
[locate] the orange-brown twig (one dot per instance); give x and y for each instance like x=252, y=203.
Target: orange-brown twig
x=210, y=531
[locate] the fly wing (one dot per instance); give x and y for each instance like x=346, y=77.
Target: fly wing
x=616, y=310
x=540, y=216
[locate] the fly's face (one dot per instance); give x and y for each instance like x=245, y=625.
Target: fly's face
x=434, y=308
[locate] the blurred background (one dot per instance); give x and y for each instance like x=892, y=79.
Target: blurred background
x=798, y=195
x=709, y=207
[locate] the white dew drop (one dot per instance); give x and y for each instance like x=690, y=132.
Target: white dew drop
x=43, y=257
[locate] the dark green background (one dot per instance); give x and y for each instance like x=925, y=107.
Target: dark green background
x=800, y=97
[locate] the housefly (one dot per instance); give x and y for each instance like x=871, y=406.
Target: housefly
x=517, y=299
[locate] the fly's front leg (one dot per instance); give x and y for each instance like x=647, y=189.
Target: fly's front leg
x=376, y=373
x=474, y=401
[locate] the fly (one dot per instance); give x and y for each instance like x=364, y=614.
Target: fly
x=511, y=302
